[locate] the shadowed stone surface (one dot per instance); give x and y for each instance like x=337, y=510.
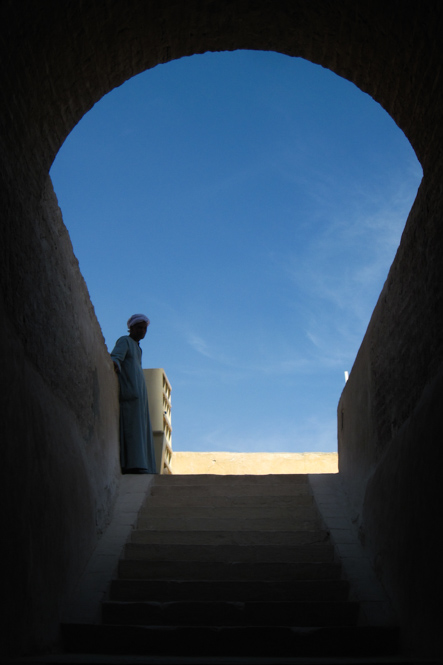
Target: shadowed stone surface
x=59, y=397
x=234, y=625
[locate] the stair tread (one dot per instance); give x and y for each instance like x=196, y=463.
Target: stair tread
x=231, y=640
x=320, y=551
x=223, y=479
x=237, y=537
x=128, y=659
x=215, y=570
x=235, y=489
x=184, y=524
x=276, y=503
x=245, y=590
x=307, y=512
x=227, y=613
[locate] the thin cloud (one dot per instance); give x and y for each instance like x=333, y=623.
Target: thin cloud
x=199, y=345
x=365, y=242
x=261, y=363
x=338, y=277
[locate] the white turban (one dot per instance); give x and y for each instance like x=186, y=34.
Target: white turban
x=136, y=318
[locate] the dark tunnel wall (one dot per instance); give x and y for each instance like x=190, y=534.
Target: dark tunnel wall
x=59, y=394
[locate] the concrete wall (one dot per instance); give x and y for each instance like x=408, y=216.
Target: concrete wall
x=59, y=425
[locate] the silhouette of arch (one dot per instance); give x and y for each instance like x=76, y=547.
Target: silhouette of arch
x=58, y=59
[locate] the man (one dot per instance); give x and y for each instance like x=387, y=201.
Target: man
x=136, y=442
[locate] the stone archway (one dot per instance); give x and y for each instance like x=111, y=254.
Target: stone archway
x=60, y=399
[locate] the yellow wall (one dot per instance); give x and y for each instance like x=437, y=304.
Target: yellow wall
x=253, y=463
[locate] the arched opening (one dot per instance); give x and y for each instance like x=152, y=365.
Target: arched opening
x=253, y=203
x=60, y=452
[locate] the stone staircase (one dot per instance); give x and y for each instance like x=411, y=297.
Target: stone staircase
x=231, y=569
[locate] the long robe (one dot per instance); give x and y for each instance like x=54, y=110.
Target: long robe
x=136, y=442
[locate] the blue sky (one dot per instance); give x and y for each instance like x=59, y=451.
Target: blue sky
x=251, y=205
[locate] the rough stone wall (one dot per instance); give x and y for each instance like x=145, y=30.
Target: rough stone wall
x=390, y=427
x=59, y=395
x=59, y=425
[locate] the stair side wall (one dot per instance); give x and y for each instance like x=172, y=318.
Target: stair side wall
x=390, y=429
x=59, y=427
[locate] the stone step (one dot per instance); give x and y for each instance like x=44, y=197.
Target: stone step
x=237, y=501
x=230, y=613
x=206, y=520
x=318, y=551
x=220, y=570
x=225, y=589
x=125, y=659
x=232, y=490
x=216, y=479
x=230, y=569
x=225, y=509
x=239, y=537
x=251, y=641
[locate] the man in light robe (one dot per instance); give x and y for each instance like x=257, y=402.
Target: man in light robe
x=136, y=443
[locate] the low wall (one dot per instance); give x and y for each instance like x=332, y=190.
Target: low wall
x=224, y=463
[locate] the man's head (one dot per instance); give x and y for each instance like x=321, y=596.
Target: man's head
x=138, y=325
